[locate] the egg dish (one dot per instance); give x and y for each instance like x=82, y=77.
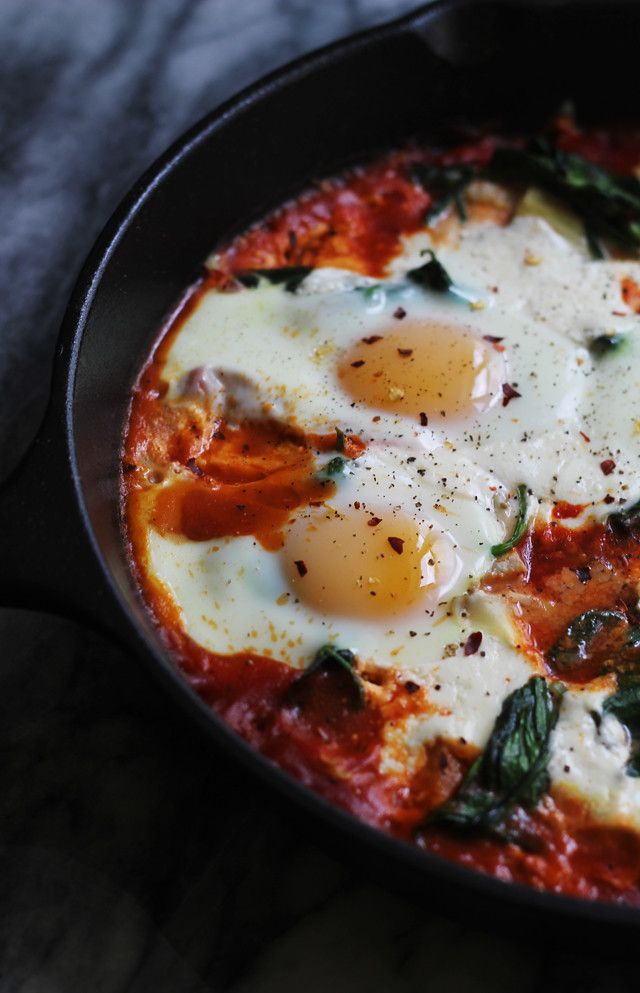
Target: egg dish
x=381, y=490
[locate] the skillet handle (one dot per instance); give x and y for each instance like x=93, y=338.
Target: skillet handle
x=46, y=559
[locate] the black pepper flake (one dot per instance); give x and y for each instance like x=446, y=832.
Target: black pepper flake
x=411, y=687
x=424, y=420
x=399, y=313
x=301, y=567
x=357, y=364
x=193, y=467
x=607, y=467
x=493, y=338
x=129, y=467
x=372, y=339
x=509, y=393
x=473, y=642
x=397, y=544
x=583, y=573
x=609, y=498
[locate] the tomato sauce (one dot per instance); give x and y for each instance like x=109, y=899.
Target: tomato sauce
x=246, y=478
x=355, y=221
x=569, y=571
x=574, y=856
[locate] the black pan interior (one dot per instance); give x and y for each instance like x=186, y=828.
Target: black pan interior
x=453, y=62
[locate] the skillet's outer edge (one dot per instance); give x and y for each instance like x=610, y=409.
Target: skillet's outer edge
x=465, y=883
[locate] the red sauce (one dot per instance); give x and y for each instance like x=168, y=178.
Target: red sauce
x=314, y=734
x=566, y=511
x=355, y=221
x=569, y=571
x=246, y=479
x=575, y=856
x=617, y=149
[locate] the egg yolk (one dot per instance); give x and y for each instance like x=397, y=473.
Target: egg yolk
x=360, y=565
x=444, y=371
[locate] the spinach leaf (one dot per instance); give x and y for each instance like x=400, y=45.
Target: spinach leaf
x=625, y=705
x=512, y=770
x=572, y=647
x=519, y=529
x=330, y=657
x=605, y=344
x=432, y=275
x=334, y=466
x=445, y=184
x=369, y=293
x=291, y=275
x=608, y=204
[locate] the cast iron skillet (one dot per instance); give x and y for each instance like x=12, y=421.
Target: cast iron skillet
x=60, y=541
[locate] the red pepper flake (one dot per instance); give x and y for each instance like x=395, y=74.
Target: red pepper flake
x=357, y=364
x=374, y=521
x=399, y=313
x=376, y=418
x=609, y=498
x=424, y=420
x=372, y=339
x=586, y=437
x=405, y=352
x=301, y=567
x=509, y=393
x=473, y=642
x=631, y=293
x=618, y=313
x=397, y=544
x=494, y=340
x=607, y=466
x=356, y=504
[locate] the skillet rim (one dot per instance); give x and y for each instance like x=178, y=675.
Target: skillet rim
x=426, y=865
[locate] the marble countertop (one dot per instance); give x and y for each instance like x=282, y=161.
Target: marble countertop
x=131, y=857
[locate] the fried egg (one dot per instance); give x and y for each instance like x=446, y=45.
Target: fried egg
x=458, y=398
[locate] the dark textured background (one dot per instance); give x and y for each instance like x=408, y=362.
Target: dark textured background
x=131, y=858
